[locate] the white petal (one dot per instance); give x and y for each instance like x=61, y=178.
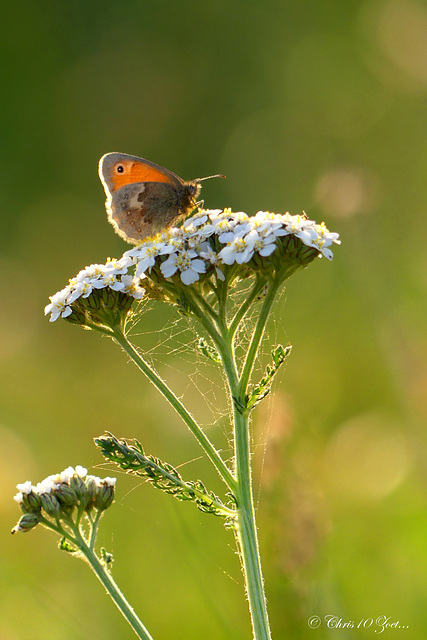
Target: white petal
x=55, y=315
x=137, y=293
x=169, y=267
x=267, y=250
x=228, y=254
x=219, y=274
x=226, y=237
x=189, y=276
x=117, y=286
x=244, y=256
x=125, y=262
x=327, y=253
x=25, y=487
x=198, y=265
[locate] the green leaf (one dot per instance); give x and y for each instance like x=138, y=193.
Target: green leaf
x=162, y=475
x=262, y=389
x=66, y=545
x=208, y=351
x=107, y=558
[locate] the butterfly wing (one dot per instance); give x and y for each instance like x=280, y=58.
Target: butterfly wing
x=142, y=197
x=119, y=169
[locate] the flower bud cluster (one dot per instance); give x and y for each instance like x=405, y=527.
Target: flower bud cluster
x=59, y=495
x=209, y=243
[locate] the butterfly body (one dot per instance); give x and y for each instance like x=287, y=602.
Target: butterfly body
x=143, y=198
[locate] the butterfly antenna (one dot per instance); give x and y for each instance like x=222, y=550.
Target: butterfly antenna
x=217, y=175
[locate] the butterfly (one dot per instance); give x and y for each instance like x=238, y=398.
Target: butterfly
x=143, y=198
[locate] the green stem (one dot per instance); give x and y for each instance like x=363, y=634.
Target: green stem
x=256, y=338
x=205, y=305
x=94, y=530
x=240, y=314
x=222, y=340
x=246, y=530
x=200, y=436
x=210, y=328
x=113, y=590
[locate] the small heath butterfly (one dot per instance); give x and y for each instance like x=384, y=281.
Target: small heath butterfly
x=142, y=197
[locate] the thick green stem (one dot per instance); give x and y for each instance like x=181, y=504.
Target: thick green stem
x=246, y=531
x=113, y=590
x=201, y=437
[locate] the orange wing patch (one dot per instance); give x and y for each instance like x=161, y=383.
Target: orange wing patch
x=129, y=172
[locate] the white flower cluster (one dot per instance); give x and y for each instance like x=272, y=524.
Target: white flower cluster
x=190, y=249
x=212, y=239
x=54, y=482
x=96, y=276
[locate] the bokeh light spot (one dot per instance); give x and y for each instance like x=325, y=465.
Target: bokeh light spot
x=402, y=36
x=345, y=192
x=366, y=459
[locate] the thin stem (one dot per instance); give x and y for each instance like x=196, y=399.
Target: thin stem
x=94, y=530
x=54, y=527
x=241, y=312
x=209, y=327
x=222, y=290
x=256, y=338
x=198, y=433
x=222, y=340
x=225, y=350
x=112, y=589
x=205, y=305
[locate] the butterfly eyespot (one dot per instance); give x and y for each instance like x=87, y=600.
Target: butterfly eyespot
x=119, y=168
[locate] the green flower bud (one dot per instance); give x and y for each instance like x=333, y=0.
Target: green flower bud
x=50, y=504
x=31, y=502
x=105, y=493
x=27, y=521
x=77, y=485
x=91, y=489
x=65, y=494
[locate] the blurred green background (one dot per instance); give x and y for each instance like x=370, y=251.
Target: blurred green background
x=320, y=106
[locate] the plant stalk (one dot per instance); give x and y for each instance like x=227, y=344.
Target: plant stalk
x=256, y=338
x=113, y=590
x=246, y=530
x=198, y=433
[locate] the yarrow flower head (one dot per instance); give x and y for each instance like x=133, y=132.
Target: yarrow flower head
x=210, y=247
x=62, y=495
x=100, y=295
